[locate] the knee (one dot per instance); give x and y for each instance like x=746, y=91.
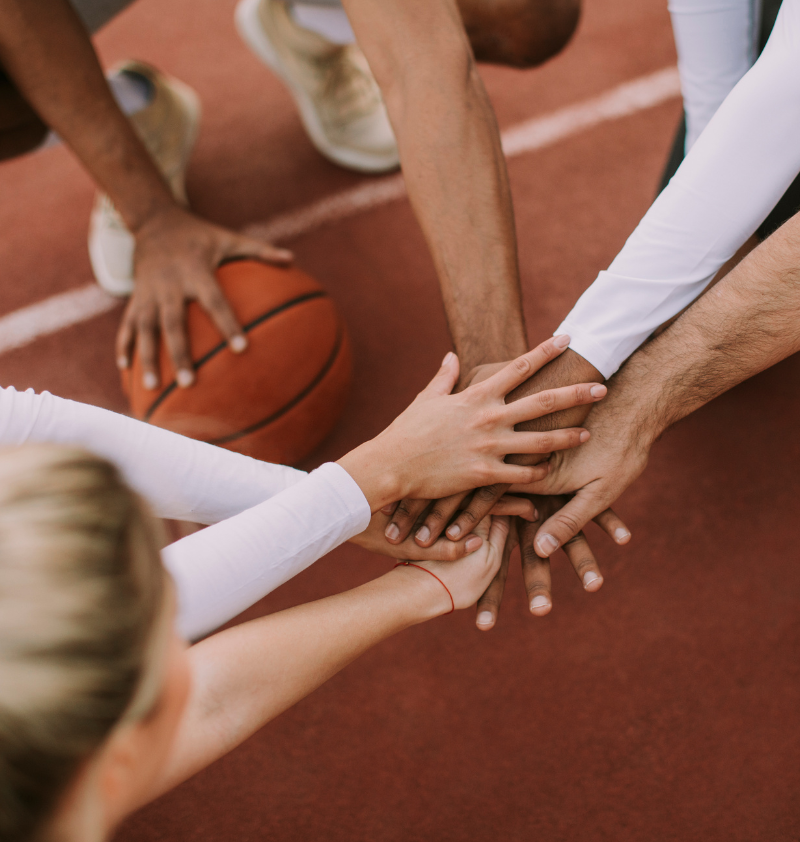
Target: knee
x=519, y=33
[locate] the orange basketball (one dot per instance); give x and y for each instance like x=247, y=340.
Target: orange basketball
x=280, y=398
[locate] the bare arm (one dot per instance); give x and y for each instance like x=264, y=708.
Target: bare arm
x=745, y=324
x=453, y=165
x=248, y=675
x=48, y=54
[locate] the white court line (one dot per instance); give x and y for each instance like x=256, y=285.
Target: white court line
x=70, y=308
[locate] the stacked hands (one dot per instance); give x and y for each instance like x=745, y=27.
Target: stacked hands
x=437, y=480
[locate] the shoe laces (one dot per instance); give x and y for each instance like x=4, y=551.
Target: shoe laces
x=348, y=86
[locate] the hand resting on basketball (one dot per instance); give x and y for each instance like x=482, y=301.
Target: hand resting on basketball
x=447, y=443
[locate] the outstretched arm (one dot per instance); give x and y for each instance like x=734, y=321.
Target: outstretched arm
x=453, y=166
x=248, y=675
x=745, y=324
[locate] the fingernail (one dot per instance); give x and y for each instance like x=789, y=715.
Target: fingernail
x=423, y=534
x=561, y=341
x=150, y=380
x=588, y=577
x=453, y=531
x=238, y=344
x=584, y=436
x=621, y=534
x=473, y=543
x=547, y=543
x=185, y=378
x=598, y=391
x=536, y=514
x=122, y=362
x=448, y=358
x=392, y=531
x=387, y=510
x=485, y=618
x=539, y=602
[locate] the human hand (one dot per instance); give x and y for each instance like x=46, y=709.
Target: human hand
x=446, y=443
x=536, y=571
x=564, y=370
x=467, y=578
x=176, y=256
x=620, y=448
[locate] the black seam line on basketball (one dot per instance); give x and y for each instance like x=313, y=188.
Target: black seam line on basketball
x=292, y=403
x=222, y=345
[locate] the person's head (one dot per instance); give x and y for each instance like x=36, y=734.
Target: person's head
x=93, y=679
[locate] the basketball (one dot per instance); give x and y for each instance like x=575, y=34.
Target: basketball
x=278, y=399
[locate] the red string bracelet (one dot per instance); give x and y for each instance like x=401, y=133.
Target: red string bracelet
x=419, y=567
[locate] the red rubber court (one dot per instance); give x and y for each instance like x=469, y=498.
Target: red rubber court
x=665, y=707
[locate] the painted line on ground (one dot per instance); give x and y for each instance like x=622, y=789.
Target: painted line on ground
x=61, y=311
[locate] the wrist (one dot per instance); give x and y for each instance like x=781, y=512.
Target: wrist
x=379, y=481
x=425, y=597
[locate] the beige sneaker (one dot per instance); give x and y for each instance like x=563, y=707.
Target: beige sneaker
x=339, y=101
x=168, y=128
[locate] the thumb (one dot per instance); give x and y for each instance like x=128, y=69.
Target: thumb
x=445, y=378
x=248, y=247
x=499, y=533
x=567, y=522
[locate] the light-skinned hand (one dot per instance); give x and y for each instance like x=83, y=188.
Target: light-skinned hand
x=446, y=444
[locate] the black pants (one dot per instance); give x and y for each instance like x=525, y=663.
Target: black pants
x=789, y=204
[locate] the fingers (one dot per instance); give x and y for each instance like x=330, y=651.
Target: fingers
x=441, y=550
x=173, y=329
x=125, y=338
x=520, y=369
x=584, y=563
x=554, y=400
x=513, y=506
x=544, y=442
x=483, y=501
x=147, y=343
x=248, y=247
x=535, y=573
x=567, y=522
x=613, y=526
x=216, y=305
x=404, y=519
x=488, y=606
x=437, y=518
x=446, y=377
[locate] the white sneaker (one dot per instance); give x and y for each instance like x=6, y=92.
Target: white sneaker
x=168, y=128
x=338, y=98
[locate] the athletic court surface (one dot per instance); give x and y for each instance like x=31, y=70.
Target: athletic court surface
x=666, y=707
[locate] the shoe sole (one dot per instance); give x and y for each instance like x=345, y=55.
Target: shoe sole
x=249, y=27
x=113, y=284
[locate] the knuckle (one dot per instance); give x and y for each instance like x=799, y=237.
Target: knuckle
x=436, y=516
x=537, y=589
x=547, y=401
x=569, y=523
x=487, y=494
x=522, y=365
x=545, y=442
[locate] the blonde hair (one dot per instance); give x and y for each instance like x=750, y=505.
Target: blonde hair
x=81, y=590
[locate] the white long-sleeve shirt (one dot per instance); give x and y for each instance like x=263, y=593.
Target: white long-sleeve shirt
x=275, y=521
x=732, y=177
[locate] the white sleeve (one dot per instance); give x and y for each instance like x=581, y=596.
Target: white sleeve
x=729, y=182
x=225, y=568
x=181, y=478
x=717, y=42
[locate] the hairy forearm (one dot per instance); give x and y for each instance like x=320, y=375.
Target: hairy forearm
x=453, y=165
x=47, y=52
x=246, y=676
x=745, y=324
